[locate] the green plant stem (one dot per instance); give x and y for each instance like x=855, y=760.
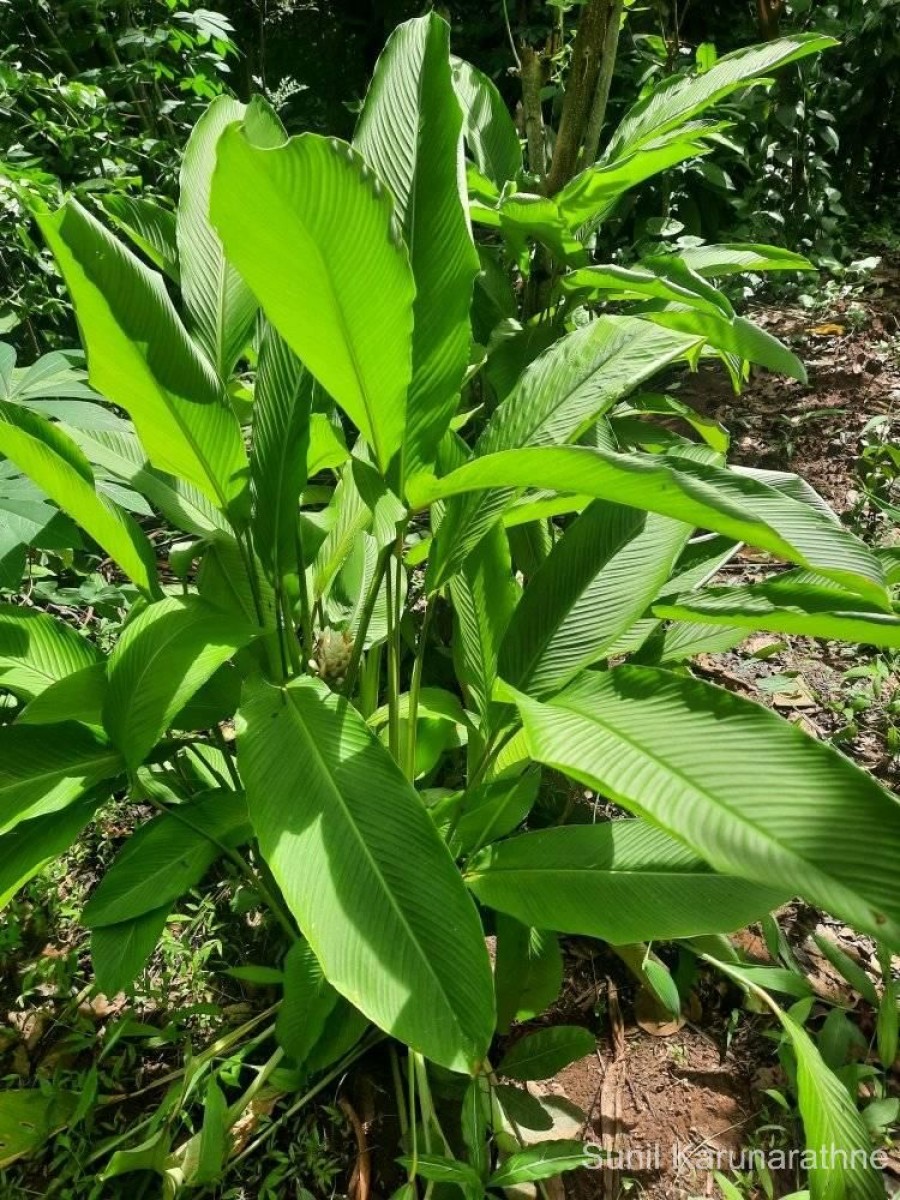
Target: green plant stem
x=402, y=1116
x=413, y=1129
x=415, y=686
x=306, y=624
x=369, y=679
x=381, y=565
x=226, y=1042
x=347, y=1061
x=393, y=672
x=288, y=632
x=244, y=1101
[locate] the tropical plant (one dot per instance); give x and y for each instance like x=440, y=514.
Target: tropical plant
x=417, y=568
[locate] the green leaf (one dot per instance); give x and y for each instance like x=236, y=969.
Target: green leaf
x=314, y=282
x=484, y=596
x=167, y=856
x=711, y=497
x=838, y=1145
x=714, y=770
x=613, y=282
x=681, y=97
x=37, y=650
x=588, y=198
x=220, y=306
x=120, y=952
x=541, y=1054
x=791, y=603
x=524, y=215
x=735, y=336
x=49, y=458
x=520, y=1106
x=27, y=849
x=735, y=259
x=119, y=454
x=543, y=1161
x=148, y=226
x=622, y=881
x=487, y=126
x=663, y=986
x=437, y=1168
x=528, y=971
x=365, y=873
x=43, y=768
x=141, y=357
x=409, y=131
x=278, y=461
x=76, y=697
x=556, y=400
x=309, y=999
x=493, y=810
x=596, y=582
x=29, y=1117
x=474, y=1116
x=163, y=656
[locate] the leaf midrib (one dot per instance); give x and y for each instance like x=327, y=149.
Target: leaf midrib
x=349, y=821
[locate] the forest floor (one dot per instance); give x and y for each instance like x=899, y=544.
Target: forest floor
x=684, y=1108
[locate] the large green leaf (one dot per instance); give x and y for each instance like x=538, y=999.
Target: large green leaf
x=732, y=336
x=43, y=768
x=318, y=244
x=308, y=1002
x=544, y=1052
x=557, y=398
x=410, y=131
x=729, y=502
x=26, y=849
x=49, y=458
x=75, y=697
x=120, y=952
x=594, y=192
x=278, y=461
x=164, y=655
x=29, y=1117
x=732, y=259
x=141, y=357
x=365, y=873
x=792, y=603
x=596, y=582
x=148, y=226
x=220, y=306
x=749, y=792
x=682, y=97
x=612, y=282
x=528, y=972
x=167, y=856
x=623, y=881
x=119, y=454
x=488, y=128
x=37, y=650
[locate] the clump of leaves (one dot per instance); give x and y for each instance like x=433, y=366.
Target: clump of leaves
x=383, y=819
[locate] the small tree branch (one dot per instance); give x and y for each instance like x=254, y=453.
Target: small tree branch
x=601, y=96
